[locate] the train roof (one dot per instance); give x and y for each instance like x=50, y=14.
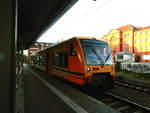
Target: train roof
x=91, y=38
x=80, y=37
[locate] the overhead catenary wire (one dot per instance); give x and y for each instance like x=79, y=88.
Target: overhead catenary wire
x=101, y=6
x=94, y=10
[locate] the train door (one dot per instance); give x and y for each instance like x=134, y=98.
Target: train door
x=49, y=64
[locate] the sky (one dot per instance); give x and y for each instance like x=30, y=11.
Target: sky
x=96, y=18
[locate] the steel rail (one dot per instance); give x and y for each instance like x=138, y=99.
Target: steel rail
x=134, y=86
x=128, y=101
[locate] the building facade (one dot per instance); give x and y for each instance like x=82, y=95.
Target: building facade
x=127, y=39
x=142, y=43
x=132, y=39
x=38, y=46
x=114, y=40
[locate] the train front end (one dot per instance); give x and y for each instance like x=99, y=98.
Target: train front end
x=99, y=66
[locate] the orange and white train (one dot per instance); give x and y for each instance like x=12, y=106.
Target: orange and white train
x=81, y=60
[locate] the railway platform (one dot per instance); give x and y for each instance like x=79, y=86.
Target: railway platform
x=49, y=95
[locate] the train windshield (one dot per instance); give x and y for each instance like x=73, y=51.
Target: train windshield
x=96, y=52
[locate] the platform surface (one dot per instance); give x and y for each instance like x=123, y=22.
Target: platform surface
x=44, y=94
x=39, y=99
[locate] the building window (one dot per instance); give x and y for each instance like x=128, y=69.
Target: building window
x=47, y=44
x=42, y=44
x=36, y=44
x=140, y=34
x=146, y=49
x=135, y=34
x=146, y=36
x=119, y=57
x=126, y=35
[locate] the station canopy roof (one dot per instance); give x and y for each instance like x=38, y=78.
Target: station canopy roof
x=35, y=16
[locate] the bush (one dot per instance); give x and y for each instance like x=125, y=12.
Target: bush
x=118, y=66
x=137, y=58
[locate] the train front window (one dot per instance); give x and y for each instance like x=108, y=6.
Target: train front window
x=96, y=52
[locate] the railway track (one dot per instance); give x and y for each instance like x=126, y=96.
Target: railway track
x=134, y=86
x=120, y=104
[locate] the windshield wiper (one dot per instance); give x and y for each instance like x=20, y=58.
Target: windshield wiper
x=106, y=59
x=96, y=54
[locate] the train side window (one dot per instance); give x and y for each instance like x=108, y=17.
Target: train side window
x=56, y=59
x=72, y=50
x=43, y=60
x=60, y=59
x=65, y=59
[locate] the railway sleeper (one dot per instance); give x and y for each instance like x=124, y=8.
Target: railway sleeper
x=123, y=108
x=114, y=103
x=106, y=99
x=138, y=111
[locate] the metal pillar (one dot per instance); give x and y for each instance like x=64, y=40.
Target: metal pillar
x=19, y=83
x=8, y=35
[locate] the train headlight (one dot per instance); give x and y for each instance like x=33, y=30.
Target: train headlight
x=88, y=69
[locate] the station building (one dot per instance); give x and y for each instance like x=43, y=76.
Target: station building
x=130, y=38
x=38, y=46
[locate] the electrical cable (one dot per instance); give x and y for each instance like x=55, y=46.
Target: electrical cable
x=96, y=9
